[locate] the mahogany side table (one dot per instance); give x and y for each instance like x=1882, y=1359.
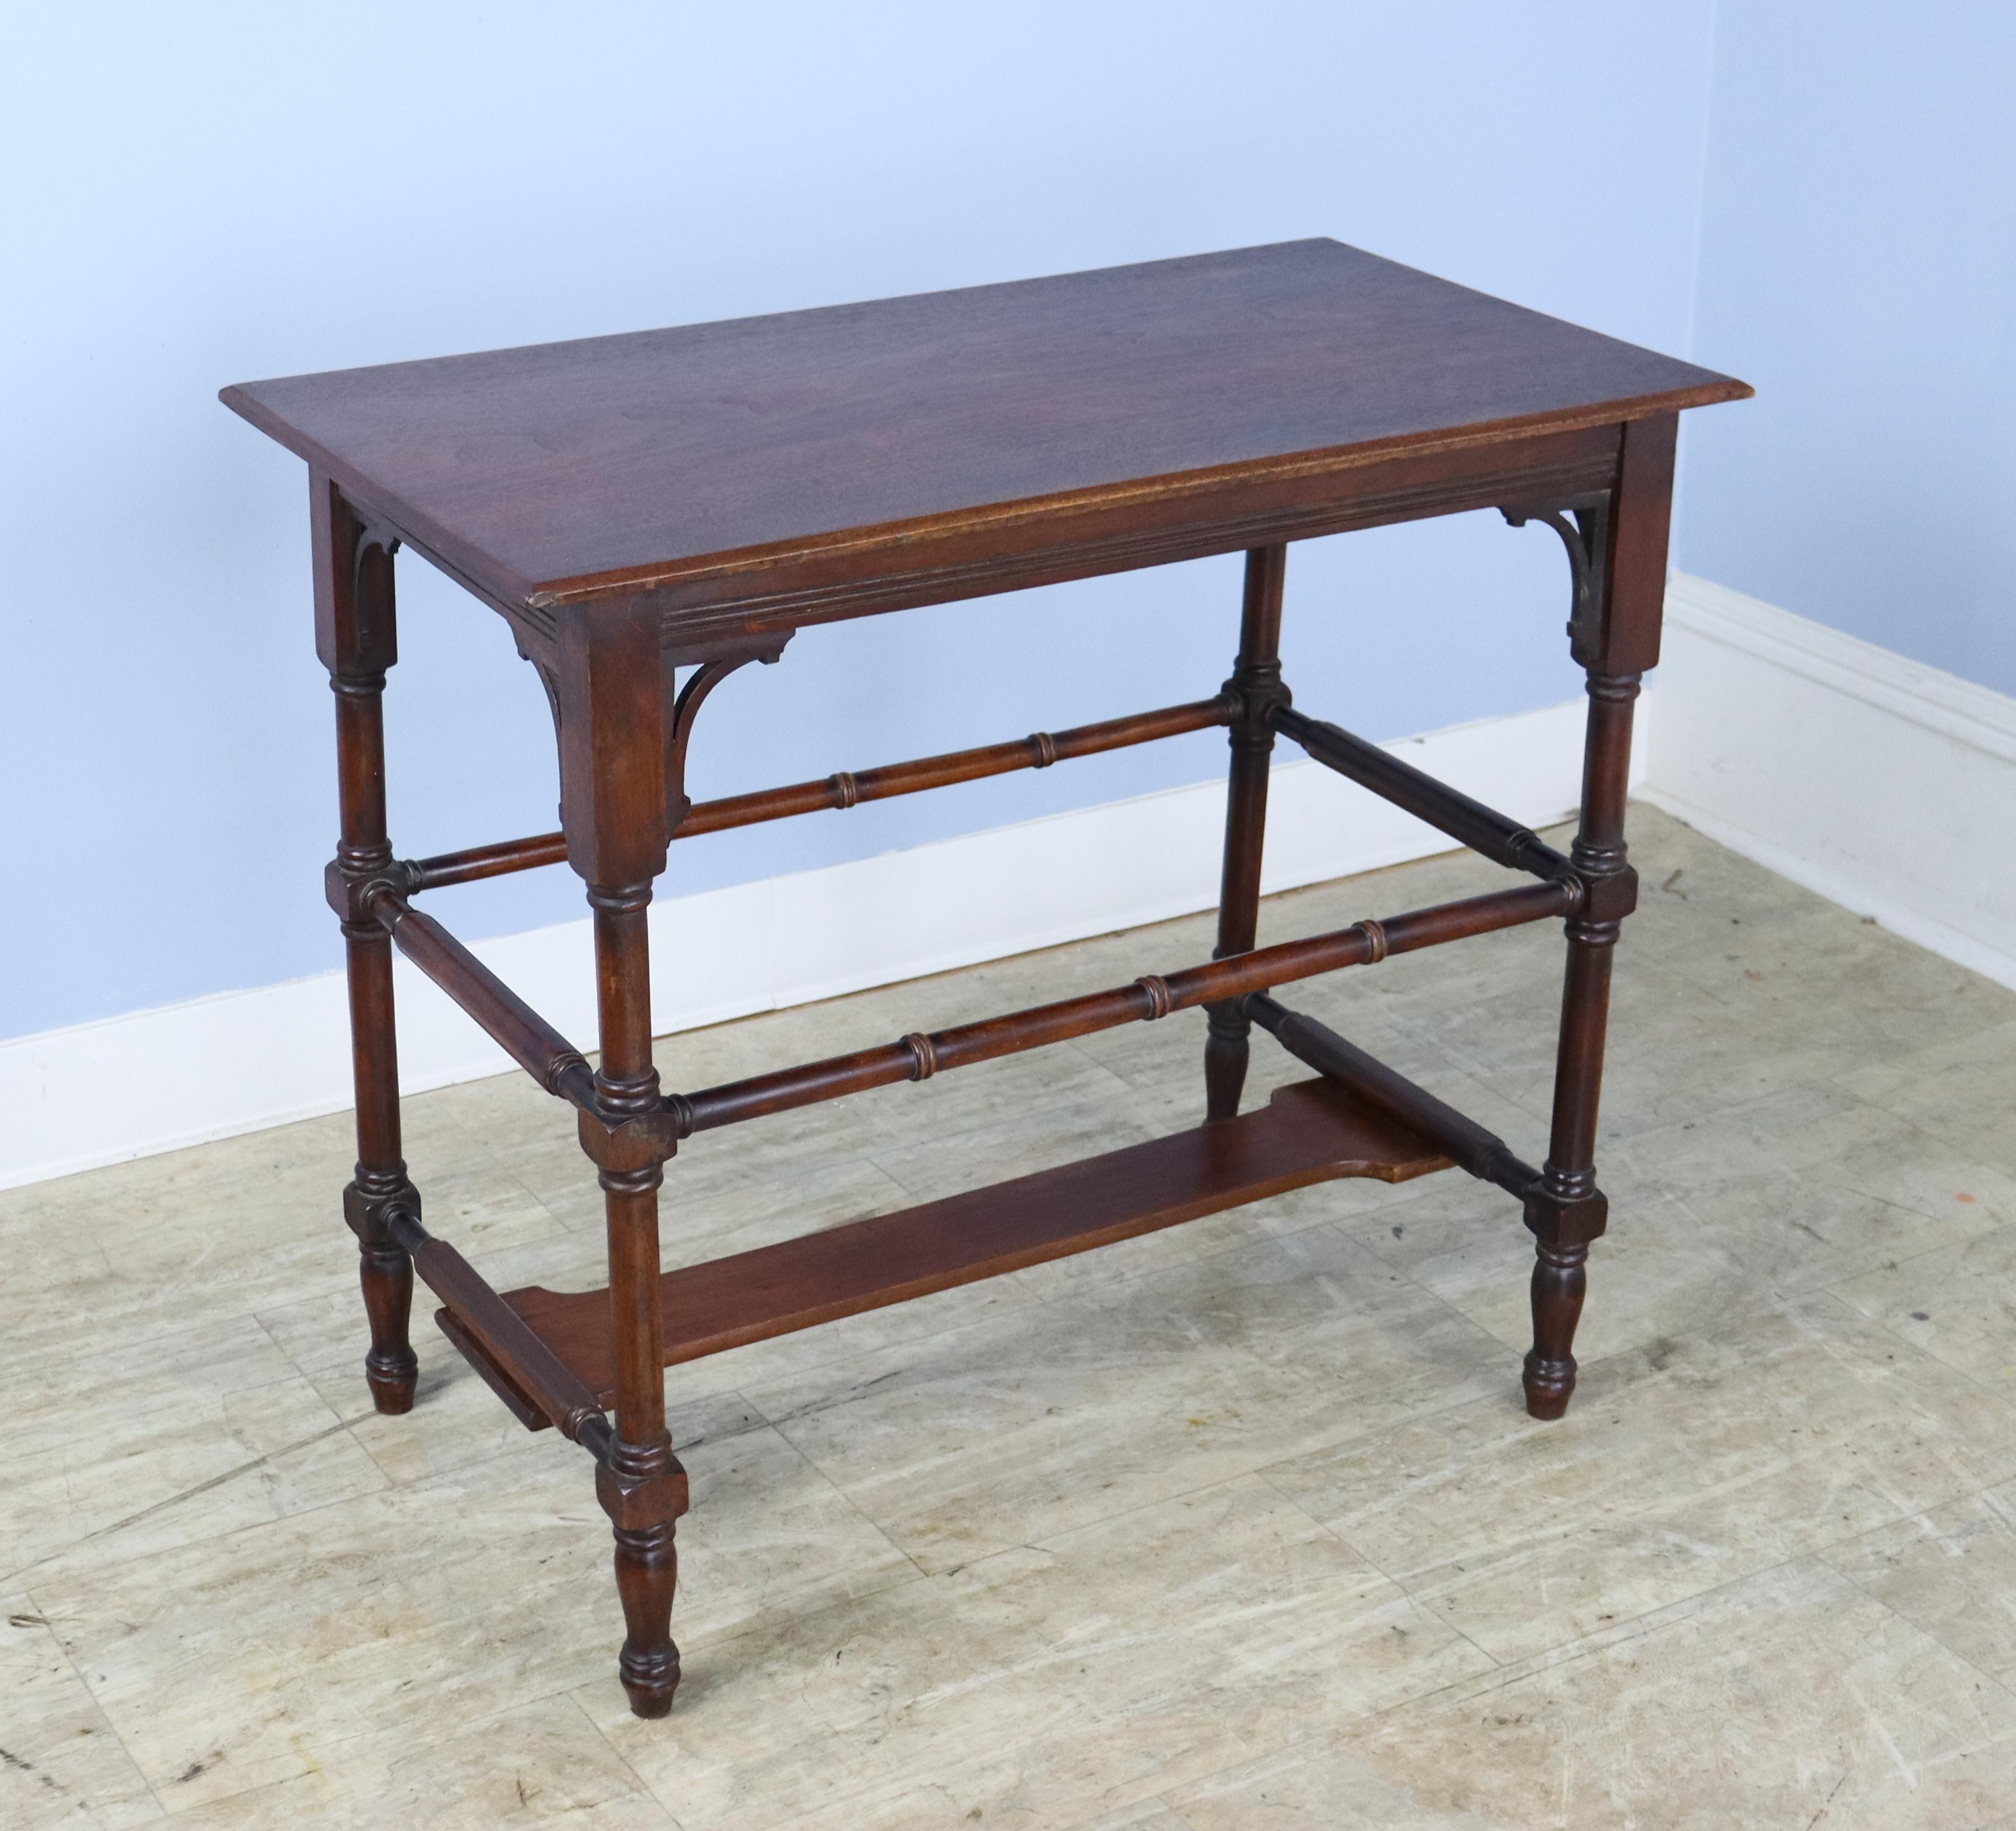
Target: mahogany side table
x=650, y=513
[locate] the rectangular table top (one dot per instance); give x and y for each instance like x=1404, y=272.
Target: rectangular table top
x=573, y=470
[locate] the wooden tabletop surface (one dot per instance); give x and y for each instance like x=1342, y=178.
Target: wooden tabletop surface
x=571, y=470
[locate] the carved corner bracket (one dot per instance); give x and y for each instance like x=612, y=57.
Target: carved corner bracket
x=685, y=701
x=1583, y=524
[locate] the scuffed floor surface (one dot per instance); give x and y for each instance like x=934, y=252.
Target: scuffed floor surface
x=1239, y=1525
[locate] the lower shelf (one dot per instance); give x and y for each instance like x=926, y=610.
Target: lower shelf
x=1311, y=1131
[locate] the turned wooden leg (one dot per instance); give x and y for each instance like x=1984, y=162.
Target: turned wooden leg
x=1568, y=1211
x=643, y=1487
x=1256, y=687
x=616, y=800
x=1617, y=552
x=391, y=1368
x=354, y=636
x=1559, y=1282
x=647, y=1571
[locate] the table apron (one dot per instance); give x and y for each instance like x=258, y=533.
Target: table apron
x=716, y=606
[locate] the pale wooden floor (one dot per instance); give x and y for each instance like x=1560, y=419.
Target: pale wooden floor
x=1239, y=1525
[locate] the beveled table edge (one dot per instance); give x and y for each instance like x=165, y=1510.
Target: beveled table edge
x=539, y=600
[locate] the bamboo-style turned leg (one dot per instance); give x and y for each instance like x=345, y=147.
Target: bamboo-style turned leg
x=384, y=1271
x=643, y=1487
x=1617, y=552
x=1256, y=684
x=354, y=636
x=1568, y=1211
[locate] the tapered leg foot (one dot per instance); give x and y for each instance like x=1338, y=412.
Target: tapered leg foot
x=390, y=1368
x=1559, y=1282
x=392, y=1382
x=1226, y=1052
x=647, y=1566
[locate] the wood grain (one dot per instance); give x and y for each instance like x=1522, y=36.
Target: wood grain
x=1310, y=1132
x=635, y=505
x=638, y=461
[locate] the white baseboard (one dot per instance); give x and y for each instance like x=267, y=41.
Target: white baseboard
x=1884, y=786
x=215, y=1067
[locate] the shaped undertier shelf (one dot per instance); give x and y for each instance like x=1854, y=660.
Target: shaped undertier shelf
x=1311, y=1131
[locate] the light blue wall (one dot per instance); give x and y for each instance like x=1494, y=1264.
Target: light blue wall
x=1859, y=267
x=199, y=195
